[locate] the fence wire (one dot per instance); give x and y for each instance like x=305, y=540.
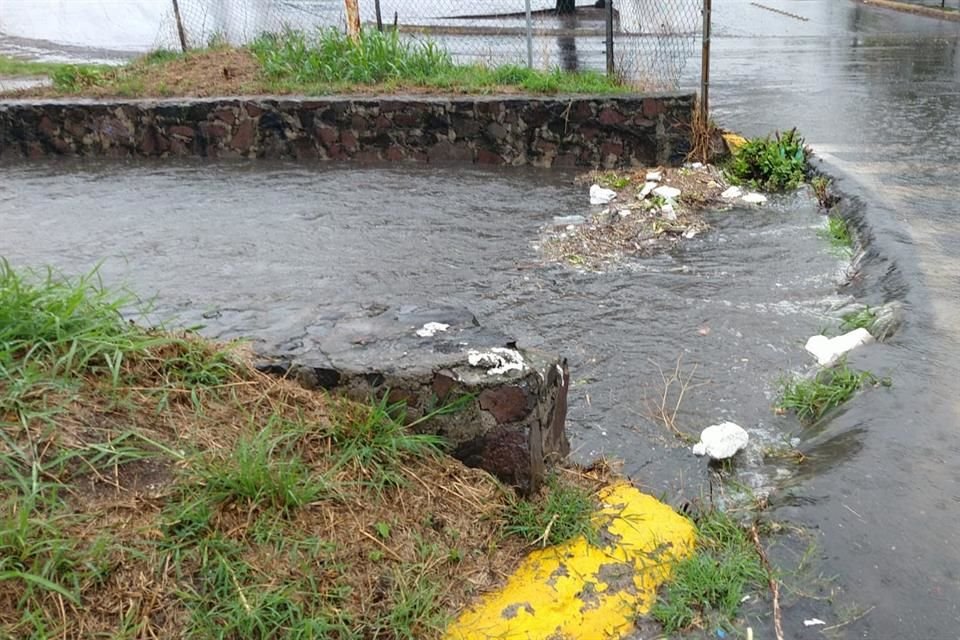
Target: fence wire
x=653, y=40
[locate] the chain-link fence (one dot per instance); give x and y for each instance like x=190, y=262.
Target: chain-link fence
x=652, y=40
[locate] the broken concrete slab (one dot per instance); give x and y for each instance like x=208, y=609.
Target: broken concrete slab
x=514, y=424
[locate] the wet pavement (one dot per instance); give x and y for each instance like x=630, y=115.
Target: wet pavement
x=244, y=248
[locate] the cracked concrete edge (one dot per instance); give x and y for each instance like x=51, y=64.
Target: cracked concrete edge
x=577, y=590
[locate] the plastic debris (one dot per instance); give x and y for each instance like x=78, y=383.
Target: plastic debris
x=497, y=360
x=671, y=193
x=599, y=195
x=732, y=193
x=668, y=212
x=754, y=198
x=431, y=329
x=647, y=188
x=721, y=441
x=828, y=350
x=562, y=221
x=813, y=622
x=654, y=176
x=690, y=233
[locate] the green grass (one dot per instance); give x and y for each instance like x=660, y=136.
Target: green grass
x=810, y=398
x=264, y=469
x=862, y=319
x=837, y=233
x=331, y=61
x=770, y=164
x=706, y=589
x=563, y=513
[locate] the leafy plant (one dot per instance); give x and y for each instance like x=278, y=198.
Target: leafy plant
x=770, y=164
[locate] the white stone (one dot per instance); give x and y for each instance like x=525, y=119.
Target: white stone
x=668, y=212
x=599, y=195
x=690, y=233
x=671, y=193
x=647, y=188
x=754, y=198
x=654, y=176
x=497, y=360
x=431, y=329
x=623, y=213
x=721, y=441
x=732, y=193
x=828, y=351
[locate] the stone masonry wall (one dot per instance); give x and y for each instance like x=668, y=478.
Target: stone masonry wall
x=587, y=131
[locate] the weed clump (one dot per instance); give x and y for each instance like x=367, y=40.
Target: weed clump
x=770, y=164
x=708, y=587
x=810, y=398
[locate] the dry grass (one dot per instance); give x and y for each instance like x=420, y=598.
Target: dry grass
x=674, y=389
x=135, y=530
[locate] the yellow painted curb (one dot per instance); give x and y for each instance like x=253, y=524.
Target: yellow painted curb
x=579, y=591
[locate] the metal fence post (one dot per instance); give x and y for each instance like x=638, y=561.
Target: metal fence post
x=529, y=36
x=181, y=33
x=705, y=66
x=610, y=66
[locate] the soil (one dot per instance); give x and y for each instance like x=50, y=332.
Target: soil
x=633, y=226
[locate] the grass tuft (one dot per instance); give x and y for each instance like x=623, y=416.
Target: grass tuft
x=563, y=512
x=862, y=319
x=810, y=398
x=706, y=589
x=837, y=233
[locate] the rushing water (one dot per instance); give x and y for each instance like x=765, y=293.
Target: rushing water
x=248, y=248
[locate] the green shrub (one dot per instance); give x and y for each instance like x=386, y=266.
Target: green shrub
x=770, y=164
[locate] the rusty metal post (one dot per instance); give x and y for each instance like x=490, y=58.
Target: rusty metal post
x=611, y=70
x=705, y=67
x=353, y=19
x=180, y=31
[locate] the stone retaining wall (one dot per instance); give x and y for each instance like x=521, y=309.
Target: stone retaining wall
x=586, y=131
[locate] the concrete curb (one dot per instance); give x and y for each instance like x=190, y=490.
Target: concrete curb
x=577, y=590
x=930, y=12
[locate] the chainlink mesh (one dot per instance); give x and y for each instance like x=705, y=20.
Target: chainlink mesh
x=653, y=39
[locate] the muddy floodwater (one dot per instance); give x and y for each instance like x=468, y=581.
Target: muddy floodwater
x=248, y=249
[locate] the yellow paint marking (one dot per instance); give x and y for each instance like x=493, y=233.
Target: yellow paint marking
x=734, y=141
x=576, y=590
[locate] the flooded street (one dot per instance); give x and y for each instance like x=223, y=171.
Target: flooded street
x=877, y=95
x=251, y=248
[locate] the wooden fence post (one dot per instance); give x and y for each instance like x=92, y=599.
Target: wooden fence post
x=353, y=19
